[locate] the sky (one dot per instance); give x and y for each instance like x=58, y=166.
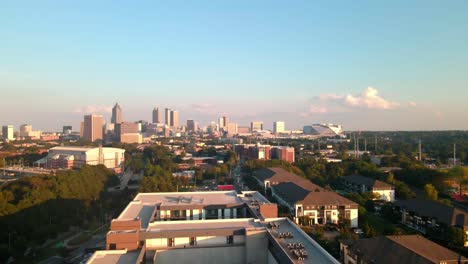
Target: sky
x=368, y=65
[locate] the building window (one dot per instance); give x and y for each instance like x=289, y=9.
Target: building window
x=191, y=214
x=193, y=241
x=170, y=242
x=112, y=246
x=230, y=239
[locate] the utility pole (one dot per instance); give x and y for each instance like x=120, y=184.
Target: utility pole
x=354, y=141
x=357, y=147
x=454, y=155
x=420, y=158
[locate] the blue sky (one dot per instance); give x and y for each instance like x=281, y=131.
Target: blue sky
x=298, y=61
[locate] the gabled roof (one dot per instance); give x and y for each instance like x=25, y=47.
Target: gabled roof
x=326, y=198
x=296, y=194
x=280, y=175
x=445, y=214
x=402, y=249
x=368, y=182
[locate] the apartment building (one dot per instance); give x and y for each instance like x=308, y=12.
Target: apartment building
x=361, y=184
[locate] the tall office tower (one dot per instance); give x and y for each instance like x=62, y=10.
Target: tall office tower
x=116, y=114
x=167, y=116
x=174, y=118
x=92, y=127
x=156, y=116
x=191, y=125
x=67, y=130
x=7, y=132
x=82, y=129
x=223, y=122
x=278, y=127
x=256, y=126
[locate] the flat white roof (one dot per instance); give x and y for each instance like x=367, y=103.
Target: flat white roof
x=189, y=198
x=145, y=204
x=113, y=257
x=72, y=148
x=316, y=253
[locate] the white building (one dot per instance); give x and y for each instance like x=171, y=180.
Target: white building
x=324, y=130
x=76, y=157
x=8, y=132
x=278, y=127
x=256, y=126
x=205, y=227
x=315, y=207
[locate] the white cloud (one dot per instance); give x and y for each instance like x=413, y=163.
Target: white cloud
x=370, y=99
x=328, y=97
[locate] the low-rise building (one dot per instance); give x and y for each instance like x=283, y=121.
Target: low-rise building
x=206, y=227
x=272, y=176
x=128, y=132
x=361, y=184
x=315, y=207
x=76, y=157
x=265, y=152
x=413, y=249
x=425, y=215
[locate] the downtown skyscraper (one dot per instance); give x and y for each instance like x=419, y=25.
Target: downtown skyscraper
x=92, y=127
x=116, y=114
x=156, y=116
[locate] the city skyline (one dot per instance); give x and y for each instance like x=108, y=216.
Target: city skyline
x=367, y=66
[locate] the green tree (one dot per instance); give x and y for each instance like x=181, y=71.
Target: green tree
x=456, y=236
x=430, y=192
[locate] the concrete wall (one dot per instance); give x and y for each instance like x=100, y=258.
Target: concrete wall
x=227, y=255
x=127, y=241
x=271, y=259
x=354, y=217
x=125, y=225
x=256, y=243
x=185, y=241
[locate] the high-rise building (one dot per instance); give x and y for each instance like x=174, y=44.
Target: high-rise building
x=92, y=127
x=223, y=122
x=278, y=127
x=26, y=132
x=191, y=125
x=116, y=114
x=256, y=126
x=7, y=132
x=25, y=128
x=156, y=116
x=174, y=118
x=167, y=116
x=128, y=132
x=82, y=129
x=67, y=130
